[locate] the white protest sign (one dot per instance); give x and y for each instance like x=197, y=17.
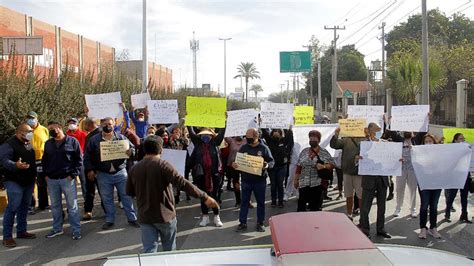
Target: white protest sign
x=104, y=105
x=177, y=158
x=441, y=166
x=113, y=150
x=140, y=100
x=249, y=163
x=413, y=118
x=380, y=158
x=373, y=113
x=276, y=115
x=163, y=111
x=472, y=158
x=239, y=121
x=300, y=135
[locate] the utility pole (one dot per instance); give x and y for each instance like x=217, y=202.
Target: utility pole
x=281, y=92
x=287, y=91
x=425, y=92
x=144, y=50
x=194, y=45
x=382, y=39
x=320, y=98
x=225, y=64
x=310, y=49
x=294, y=87
x=334, y=72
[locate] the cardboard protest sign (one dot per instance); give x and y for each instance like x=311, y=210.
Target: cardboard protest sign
x=113, y=150
x=206, y=112
x=352, y=127
x=249, y=163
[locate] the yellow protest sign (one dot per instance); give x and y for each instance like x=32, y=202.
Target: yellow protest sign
x=206, y=112
x=249, y=163
x=448, y=134
x=304, y=115
x=352, y=127
x=113, y=150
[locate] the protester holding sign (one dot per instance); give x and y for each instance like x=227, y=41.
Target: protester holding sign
x=235, y=144
x=280, y=143
x=450, y=194
x=373, y=186
x=204, y=163
x=178, y=141
x=140, y=122
x=110, y=174
x=315, y=164
x=429, y=199
x=254, y=183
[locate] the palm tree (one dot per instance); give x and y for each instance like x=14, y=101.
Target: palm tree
x=256, y=89
x=247, y=71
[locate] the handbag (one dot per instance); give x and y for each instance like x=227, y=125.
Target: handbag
x=324, y=174
x=197, y=171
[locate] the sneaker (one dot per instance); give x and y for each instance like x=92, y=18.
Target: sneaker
x=107, y=226
x=120, y=205
x=413, y=214
x=87, y=216
x=76, y=236
x=241, y=228
x=134, y=224
x=54, y=234
x=434, y=233
x=260, y=227
x=339, y=197
x=251, y=205
x=26, y=235
x=390, y=197
x=396, y=213
x=217, y=221
x=355, y=212
x=447, y=219
x=9, y=243
x=453, y=209
x=204, y=221
x=285, y=198
x=422, y=234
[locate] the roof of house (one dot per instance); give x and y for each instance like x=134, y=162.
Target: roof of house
x=352, y=86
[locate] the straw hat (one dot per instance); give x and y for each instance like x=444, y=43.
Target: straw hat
x=207, y=131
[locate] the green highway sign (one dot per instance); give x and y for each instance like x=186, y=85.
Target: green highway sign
x=298, y=61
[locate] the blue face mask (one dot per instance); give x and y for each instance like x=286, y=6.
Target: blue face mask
x=205, y=139
x=31, y=122
x=379, y=134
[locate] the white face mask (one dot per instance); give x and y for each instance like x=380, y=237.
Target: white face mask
x=29, y=136
x=141, y=119
x=72, y=127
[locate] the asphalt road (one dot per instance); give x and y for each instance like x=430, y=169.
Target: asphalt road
x=123, y=239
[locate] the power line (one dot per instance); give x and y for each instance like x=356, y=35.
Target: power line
x=340, y=18
x=454, y=10
x=465, y=8
x=371, y=14
x=378, y=15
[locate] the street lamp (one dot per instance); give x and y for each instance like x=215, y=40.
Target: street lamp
x=225, y=64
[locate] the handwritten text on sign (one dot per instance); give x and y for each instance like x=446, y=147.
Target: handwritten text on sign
x=104, y=105
x=380, y=158
x=239, y=121
x=140, y=100
x=304, y=115
x=410, y=118
x=206, y=112
x=276, y=115
x=373, y=113
x=249, y=163
x=468, y=133
x=163, y=111
x=113, y=150
x=352, y=127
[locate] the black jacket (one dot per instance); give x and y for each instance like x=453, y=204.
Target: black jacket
x=281, y=148
x=10, y=152
x=196, y=156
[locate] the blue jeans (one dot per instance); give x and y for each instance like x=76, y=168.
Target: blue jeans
x=19, y=199
x=166, y=231
x=259, y=193
x=56, y=188
x=82, y=178
x=277, y=176
x=429, y=198
x=107, y=182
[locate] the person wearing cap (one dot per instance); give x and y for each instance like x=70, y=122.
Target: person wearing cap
x=205, y=164
x=151, y=181
x=40, y=136
x=140, y=122
x=17, y=157
x=308, y=180
x=373, y=186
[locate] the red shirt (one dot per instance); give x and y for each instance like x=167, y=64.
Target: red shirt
x=80, y=136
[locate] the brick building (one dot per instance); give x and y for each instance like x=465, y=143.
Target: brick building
x=63, y=49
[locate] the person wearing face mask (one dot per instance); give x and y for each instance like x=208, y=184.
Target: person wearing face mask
x=254, y=183
x=280, y=144
x=17, y=156
x=429, y=200
x=74, y=131
x=140, y=122
x=110, y=174
x=373, y=186
x=163, y=134
x=235, y=143
x=311, y=162
x=40, y=136
x=177, y=141
x=205, y=164
x=62, y=164
x=450, y=194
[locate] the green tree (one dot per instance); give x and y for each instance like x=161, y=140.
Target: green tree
x=247, y=71
x=256, y=88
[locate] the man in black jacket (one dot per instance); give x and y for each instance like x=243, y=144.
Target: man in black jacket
x=18, y=160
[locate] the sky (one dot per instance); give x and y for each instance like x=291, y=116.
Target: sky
x=259, y=30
